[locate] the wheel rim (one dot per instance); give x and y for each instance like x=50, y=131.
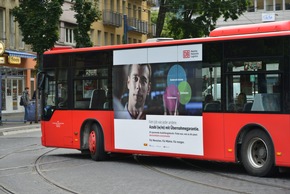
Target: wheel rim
x=257, y=152
x=92, y=142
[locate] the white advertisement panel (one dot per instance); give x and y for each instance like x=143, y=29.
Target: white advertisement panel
x=130, y=56
x=156, y=99
x=158, y=55
x=163, y=54
x=158, y=133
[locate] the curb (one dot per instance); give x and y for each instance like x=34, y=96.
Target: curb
x=19, y=129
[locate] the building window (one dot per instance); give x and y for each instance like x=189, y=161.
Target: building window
x=106, y=38
x=69, y=36
x=129, y=10
x=92, y=36
x=105, y=6
x=140, y=13
x=2, y=25
x=112, y=5
x=279, y=5
x=12, y=31
x=251, y=6
x=20, y=40
x=112, y=39
x=118, y=7
x=259, y=5
x=124, y=7
x=287, y=4
x=134, y=11
x=99, y=43
x=269, y=5
x=118, y=39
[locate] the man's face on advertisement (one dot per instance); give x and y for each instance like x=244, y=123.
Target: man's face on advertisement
x=139, y=85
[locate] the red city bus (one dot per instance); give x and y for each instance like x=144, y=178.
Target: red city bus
x=222, y=98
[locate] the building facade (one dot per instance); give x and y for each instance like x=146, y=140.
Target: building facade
x=122, y=21
x=119, y=17
x=16, y=61
x=260, y=11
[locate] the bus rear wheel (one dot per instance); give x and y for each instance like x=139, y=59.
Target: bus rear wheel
x=96, y=144
x=257, y=153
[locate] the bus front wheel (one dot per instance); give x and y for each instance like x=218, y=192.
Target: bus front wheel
x=257, y=153
x=96, y=143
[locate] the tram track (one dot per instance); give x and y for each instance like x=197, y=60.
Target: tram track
x=5, y=190
x=22, y=150
x=47, y=179
x=234, y=177
x=35, y=167
x=175, y=176
x=154, y=169
x=156, y=165
x=167, y=173
x=26, y=148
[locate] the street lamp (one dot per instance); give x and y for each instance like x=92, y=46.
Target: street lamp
x=126, y=29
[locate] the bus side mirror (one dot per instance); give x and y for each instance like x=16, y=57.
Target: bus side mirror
x=40, y=80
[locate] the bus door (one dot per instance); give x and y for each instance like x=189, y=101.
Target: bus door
x=56, y=125
x=213, y=122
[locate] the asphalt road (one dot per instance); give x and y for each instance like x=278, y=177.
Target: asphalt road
x=28, y=167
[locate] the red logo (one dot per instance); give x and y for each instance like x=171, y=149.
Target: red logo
x=186, y=54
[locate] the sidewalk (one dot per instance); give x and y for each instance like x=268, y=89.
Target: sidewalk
x=13, y=123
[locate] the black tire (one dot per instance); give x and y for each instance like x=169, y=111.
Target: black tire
x=96, y=144
x=258, y=154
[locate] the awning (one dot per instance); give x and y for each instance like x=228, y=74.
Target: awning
x=20, y=54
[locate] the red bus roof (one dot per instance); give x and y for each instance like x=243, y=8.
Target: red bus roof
x=270, y=29
x=61, y=48
x=251, y=29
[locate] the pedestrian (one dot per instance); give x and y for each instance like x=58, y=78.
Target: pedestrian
x=25, y=96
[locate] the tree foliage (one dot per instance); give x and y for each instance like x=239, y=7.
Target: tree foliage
x=197, y=18
x=39, y=21
x=163, y=9
x=165, y=29
x=86, y=14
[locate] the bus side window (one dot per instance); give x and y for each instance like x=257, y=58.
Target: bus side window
x=248, y=107
x=266, y=102
x=50, y=100
x=98, y=99
x=62, y=95
x=213, y=106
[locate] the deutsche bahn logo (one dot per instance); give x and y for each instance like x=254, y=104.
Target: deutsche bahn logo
x=186, y=54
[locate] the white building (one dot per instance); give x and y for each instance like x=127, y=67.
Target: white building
x=261, y=11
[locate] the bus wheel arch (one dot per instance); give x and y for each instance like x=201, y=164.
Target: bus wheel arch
x=255, y=150
x=92, y=140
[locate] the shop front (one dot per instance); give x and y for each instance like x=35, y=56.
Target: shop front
x=15, y=74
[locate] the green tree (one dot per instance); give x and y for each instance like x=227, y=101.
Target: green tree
x=165, y=30
x=39, y=21
x=197, y=18
x=86, y=14
x=163, y=9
